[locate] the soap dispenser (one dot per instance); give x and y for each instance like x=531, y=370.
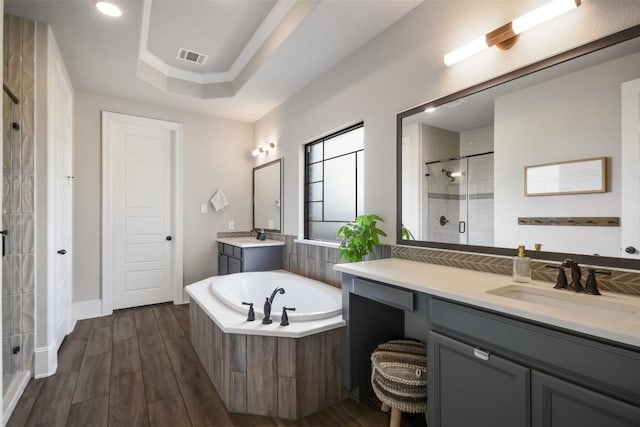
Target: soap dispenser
x=521, y=266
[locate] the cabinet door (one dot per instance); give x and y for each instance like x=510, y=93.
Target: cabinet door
x=235, y=265
x=223, y=262
x=470, y=387
x=557, y=403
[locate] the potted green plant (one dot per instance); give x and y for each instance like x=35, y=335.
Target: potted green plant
x=359, y=238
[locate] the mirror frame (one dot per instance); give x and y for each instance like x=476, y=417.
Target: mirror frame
x=253, y=195
x=602, y=43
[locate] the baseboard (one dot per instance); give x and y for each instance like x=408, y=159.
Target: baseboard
x=185, y=297
x=45, y=361
x=87, y=309
x=13, y=394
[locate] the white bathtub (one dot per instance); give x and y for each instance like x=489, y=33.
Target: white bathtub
x=313, y=300
x=318, y=305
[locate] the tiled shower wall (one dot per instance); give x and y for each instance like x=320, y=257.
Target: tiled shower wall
x=18, y=199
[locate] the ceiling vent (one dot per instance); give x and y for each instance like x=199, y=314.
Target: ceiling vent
x=191, y=56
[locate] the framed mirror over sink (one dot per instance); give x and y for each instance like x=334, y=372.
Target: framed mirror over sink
x=462, y=160
x=267, y=196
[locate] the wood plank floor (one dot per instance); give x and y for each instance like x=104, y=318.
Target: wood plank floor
x=138, y=368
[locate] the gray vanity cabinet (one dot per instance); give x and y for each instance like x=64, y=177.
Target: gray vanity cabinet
x=234, y=259
x=558, y=403
x=469, y=386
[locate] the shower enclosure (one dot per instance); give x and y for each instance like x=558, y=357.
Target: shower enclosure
x=458, y=200
x=14, y=280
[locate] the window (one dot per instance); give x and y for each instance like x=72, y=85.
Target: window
x=334, y=182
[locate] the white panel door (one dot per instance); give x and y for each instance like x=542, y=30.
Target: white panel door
x=630, y=221
x=63, y=203
x=142, y=200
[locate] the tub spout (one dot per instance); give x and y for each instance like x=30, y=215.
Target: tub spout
x=273, y=294
x=266, y=320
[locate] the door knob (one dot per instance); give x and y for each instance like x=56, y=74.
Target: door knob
x=169, y=237
x=630, y=250
x=62, y=251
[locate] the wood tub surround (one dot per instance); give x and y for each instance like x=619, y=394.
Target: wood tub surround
x=271, y=376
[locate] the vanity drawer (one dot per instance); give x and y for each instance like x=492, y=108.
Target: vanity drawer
x=237, y=252
x=604, y=367
x=227, y=249
x=398, y=298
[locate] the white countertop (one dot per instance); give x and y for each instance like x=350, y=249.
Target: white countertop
x=232, y=322
x=470, y=287
x=249, y=242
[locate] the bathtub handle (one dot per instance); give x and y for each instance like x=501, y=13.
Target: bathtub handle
x=284, y=320
x=252, y=315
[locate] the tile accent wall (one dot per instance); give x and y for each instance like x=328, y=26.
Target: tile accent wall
x=620, y=281
x=316, y=262
x=18, y=303
x=309, y=260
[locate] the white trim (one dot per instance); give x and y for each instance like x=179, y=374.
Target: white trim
x=56, y=72
x=14, y=392
x=45, y=361
x=86, y=309
x=262, y=33
x=108, y=118
x=317, y=243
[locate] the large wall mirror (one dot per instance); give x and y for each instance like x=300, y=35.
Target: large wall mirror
x=267, y=196
x=462, y=159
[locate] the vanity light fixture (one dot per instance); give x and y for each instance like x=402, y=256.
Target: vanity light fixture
x=263, y=149
x=109, y=9
x=507, y=35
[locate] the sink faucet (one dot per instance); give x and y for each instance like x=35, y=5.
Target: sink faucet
x=576, y=275
x=267, y=305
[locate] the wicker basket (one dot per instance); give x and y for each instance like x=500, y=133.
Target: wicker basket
x=399, y=375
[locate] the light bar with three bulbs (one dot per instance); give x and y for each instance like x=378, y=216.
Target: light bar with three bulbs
x=507, y=35
x=263, y=149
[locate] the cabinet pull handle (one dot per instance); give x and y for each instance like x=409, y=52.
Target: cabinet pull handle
x=480, y=354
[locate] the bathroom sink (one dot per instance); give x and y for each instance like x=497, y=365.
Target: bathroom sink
x=592, y=305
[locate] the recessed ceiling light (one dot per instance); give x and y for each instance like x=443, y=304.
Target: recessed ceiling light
x=109, y=9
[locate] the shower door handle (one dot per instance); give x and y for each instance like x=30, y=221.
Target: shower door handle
x=4, y=242
x=462, y=227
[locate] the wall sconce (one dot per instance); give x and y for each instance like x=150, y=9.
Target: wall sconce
x=506, y=36
x=263, y=149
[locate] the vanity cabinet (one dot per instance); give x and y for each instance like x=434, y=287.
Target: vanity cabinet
x=490, y=369
x=236, y=259
x=558, y=403
x=474, y=387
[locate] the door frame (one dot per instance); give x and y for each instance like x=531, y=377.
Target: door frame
x=108, y=119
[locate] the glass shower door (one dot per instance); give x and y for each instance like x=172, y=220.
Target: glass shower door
x=459, y=200
x=445, y=199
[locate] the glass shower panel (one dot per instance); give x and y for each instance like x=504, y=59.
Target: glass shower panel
x=445, y=199
x=11, y=297
x=480, y=200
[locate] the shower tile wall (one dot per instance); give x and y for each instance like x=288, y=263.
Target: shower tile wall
x=18, y=302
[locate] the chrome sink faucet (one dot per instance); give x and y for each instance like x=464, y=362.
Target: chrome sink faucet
x=266, y=320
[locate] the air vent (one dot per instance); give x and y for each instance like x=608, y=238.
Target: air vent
x=191, y=56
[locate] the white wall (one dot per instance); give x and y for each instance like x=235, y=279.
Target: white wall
x=217, y=155
x=581, y=113
x=403, y=67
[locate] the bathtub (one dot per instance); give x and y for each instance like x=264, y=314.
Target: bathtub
x=312, y=300
x=318, y=305
x=237, y=354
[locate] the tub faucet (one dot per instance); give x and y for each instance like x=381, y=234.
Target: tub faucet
x=267, y=306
